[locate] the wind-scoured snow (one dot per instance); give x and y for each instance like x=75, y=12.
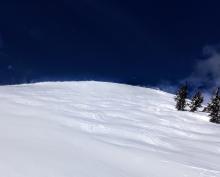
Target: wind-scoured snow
x=98, y=129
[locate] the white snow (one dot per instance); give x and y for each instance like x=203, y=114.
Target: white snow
x=98, y=129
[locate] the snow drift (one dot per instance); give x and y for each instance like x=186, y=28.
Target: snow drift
x=97, y=129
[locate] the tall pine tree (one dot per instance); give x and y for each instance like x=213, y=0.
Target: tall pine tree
x=181, y=97
x=210, y=104
x=196, y=101
x=214, y=108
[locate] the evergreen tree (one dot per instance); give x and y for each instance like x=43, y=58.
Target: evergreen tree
x=196, y=101
x=210, y=105
x=214, y=108
x=181, y=97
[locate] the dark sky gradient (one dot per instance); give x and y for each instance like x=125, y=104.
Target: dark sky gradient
x=139, y=42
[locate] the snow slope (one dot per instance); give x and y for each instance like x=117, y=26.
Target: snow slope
x=97, y=129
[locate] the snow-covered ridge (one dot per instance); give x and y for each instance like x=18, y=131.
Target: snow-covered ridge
x=98, y=129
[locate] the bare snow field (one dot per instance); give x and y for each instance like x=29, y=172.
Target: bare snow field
x=98, y=129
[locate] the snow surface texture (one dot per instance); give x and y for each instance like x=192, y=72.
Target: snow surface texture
x=97, y=129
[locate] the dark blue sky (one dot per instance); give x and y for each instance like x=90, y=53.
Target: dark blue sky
x=140, y=42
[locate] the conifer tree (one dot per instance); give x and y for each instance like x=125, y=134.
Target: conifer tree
x=181, y=97
x=196, y=101
x=210, y=105
x=214, y=108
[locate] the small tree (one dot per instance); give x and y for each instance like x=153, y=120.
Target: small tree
x=196, y=101
x=214, y=108
x=181, y=97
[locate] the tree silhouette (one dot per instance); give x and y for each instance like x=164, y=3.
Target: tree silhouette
x=214, y=108
x=210, y=104
x=181, y=97
x=196, y=101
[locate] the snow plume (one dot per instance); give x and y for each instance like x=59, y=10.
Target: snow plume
x=207, y=72
x=168, y=86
